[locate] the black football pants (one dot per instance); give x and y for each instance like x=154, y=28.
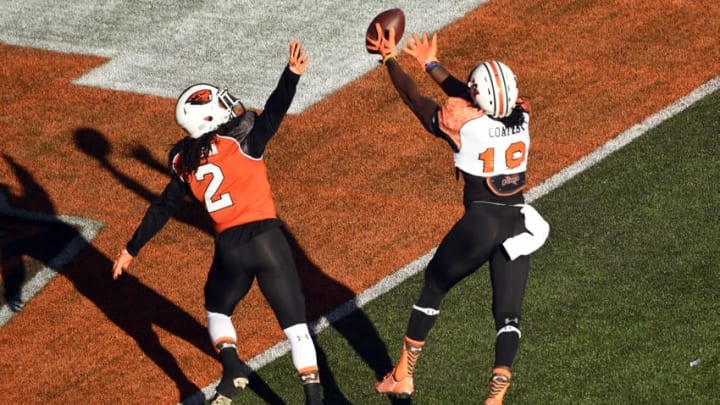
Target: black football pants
x=266, y=257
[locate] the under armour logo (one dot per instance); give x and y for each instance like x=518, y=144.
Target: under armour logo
x=514, y=320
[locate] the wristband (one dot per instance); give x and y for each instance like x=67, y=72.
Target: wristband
x=431, y=65
x=388, y=57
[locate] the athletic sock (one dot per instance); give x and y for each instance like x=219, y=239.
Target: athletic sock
x=313, y=393
x=232, y=369
x=310, y=378
x=506, y=348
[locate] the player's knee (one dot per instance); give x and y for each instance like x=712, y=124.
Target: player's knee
x=218, y=306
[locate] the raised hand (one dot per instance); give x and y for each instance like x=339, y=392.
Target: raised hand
x=385, y=47
x=298, y=58
x=424, y=50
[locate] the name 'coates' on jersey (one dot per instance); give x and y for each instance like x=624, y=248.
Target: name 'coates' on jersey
x=500, y=131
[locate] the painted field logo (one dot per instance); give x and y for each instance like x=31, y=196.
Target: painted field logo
x=33, y=249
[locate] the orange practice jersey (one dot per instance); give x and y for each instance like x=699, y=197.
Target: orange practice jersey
x=233, y=187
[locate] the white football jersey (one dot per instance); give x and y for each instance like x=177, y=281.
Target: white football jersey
x=488, y=148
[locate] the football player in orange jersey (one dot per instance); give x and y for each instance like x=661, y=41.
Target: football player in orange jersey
x=220, y=162
x=486, y=124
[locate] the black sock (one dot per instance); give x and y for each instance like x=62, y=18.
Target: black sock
x=232, y=369
x=313, y=394
x=506, y=348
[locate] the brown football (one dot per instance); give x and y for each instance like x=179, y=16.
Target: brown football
x=392, y=18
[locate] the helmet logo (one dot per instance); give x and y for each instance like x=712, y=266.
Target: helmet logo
x=493, y=88
x=200, y=97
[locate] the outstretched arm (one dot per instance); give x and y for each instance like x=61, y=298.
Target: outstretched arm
x=424, y=50
x=156, y=216
x=424, y=108
x=276, y=106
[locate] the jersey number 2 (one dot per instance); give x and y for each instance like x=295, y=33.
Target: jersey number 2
x=213, y=203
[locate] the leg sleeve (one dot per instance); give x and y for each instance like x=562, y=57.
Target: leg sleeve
x=278, y=279
x=462, y=251
x=229, y=279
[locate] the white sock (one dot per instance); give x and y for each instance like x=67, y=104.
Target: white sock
x=301, y=346
x=220, y=328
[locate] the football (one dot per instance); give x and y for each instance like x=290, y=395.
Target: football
x=392, y=18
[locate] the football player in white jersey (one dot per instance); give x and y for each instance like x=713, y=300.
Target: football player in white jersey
x=486, y=124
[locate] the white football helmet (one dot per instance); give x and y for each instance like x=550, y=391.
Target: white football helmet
x=202, y=108
x=493, y=87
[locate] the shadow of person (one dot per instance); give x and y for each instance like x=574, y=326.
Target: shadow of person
x=39, y=239
x=14, y=235
x=324, y=294
x=95, y=145
x=130, y=304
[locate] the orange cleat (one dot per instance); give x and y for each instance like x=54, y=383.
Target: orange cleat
x=499, y=384
x=398, y=389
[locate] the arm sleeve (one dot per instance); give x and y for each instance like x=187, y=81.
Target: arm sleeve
x=455, y=88
x=276, y=106
x=157, y=215
x=425, y=109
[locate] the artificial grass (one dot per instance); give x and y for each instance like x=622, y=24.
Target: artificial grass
x=620, y=299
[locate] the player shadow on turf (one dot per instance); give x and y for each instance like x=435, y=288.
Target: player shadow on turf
x=18, y=239
x=128, y=303
x=27, y=233
x=323, y=294
x=94, y=144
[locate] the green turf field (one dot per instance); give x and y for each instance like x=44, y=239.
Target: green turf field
x=621, y=298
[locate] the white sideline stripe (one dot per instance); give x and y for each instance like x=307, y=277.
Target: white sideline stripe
x=542, y=189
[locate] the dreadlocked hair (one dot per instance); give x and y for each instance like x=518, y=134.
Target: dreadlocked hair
x=193, y=151
x=515, y=119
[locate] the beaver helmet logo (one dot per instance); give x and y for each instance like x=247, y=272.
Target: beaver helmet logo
x=202, y=108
